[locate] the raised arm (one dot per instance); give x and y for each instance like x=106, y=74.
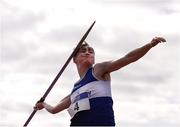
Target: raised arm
x=63, y=104
x=132, y=56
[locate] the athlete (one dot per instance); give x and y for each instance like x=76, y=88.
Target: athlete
x=90, y=102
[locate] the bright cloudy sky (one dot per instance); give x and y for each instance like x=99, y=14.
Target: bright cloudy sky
x=37, y=36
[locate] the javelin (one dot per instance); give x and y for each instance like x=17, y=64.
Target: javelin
x=60, y=72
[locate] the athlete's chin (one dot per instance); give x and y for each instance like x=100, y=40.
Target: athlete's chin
x=90, y=62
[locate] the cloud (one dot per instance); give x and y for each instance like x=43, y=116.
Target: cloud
x=19, y=22
x=144, y=2
x=163, y=7
x=15, y=24
x=66, y=33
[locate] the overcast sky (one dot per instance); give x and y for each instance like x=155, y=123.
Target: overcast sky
x=37, y=36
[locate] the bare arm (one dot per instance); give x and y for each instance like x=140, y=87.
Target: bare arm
x=132, y=56
x=63, y=104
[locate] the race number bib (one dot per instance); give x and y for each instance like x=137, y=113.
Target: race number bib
x=78, y=106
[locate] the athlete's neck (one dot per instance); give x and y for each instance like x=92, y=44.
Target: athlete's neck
x=82, y=69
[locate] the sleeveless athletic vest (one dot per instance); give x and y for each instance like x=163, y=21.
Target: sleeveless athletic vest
x=91, y=102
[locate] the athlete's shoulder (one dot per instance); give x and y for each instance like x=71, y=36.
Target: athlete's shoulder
x=100, y=70
x=102, y=64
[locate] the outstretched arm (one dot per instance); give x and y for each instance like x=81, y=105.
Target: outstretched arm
x=63, y=104
x=132, y=56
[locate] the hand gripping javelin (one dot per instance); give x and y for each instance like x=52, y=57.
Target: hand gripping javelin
x=60, y=72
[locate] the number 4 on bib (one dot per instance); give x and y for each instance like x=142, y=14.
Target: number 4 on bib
x=76, y=107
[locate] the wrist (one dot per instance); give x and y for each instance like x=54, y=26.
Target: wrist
x=151, y=44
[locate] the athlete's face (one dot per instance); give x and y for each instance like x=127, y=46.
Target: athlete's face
x=85, y=55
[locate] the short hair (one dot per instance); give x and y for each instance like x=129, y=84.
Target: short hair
x=84, y=44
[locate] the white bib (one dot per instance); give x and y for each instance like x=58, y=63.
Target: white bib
x=78, y=106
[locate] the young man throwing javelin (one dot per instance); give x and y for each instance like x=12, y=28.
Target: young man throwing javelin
x=90, y=102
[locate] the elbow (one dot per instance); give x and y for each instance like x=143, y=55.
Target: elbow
x=132, y=59
x=53, y=111
x=57, y=110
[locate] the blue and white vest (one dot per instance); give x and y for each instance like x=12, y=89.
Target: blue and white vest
x=92, y=96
